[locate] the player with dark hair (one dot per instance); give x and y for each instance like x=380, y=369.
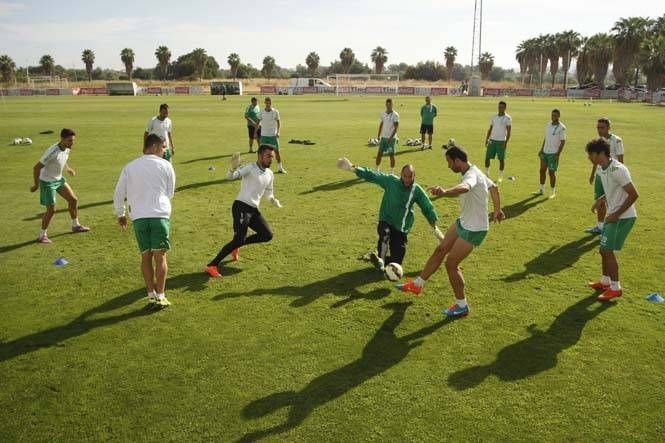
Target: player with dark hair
x=428, y=113
x=388, y=135
x=257, y=182
x=163, y=127
x=468, y=231
x=497, y=138
x=619, y=196
x=47, y=175
x=252, y=115
x=550, y=151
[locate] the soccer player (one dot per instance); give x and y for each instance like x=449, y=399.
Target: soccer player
x=468, y=231
x=396, y=213
x=550, y=151
x=427, y=114
x=616, y=152
x=257, y=182
x=47, y=175
x=148, y=183
x=497, y=138
x=269, y=127
x=619, y=197
x=252, y=113
x=162, y=126
x=387, y=135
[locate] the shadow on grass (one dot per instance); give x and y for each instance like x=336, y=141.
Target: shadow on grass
x=64, y=209
x=537, y=353
x=334, y=186
x=220, y=181
x=382, y=352
x=518, y=208
x=214, y=157
x=88, y=320
x=9, y=248
x=556, y=259
x=343, y=285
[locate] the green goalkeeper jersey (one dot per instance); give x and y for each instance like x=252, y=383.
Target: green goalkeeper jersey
x=398, y=200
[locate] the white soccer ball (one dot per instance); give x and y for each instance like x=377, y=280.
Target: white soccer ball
x=394, y=271
x=26, y=141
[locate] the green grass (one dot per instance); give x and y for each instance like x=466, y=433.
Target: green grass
x=300, y=340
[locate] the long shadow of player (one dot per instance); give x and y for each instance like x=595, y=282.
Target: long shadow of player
x=537, y=353
x=343, y=285
x=556, y=259
x=91, y=319
x=202, y=159
x=518, y=208
x=381, y=353
x=334, y=186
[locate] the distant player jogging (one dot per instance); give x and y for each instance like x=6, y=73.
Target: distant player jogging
x=47, y=175
x=162, y=125
x=148, y=184
x=257, y=182
x=468, y=231
x=619, y=196
x=396, y=216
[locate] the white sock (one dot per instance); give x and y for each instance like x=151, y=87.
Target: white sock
x=43, y=233
x=542, y=188
x=615, y=285
x=378, y=168
x=605, y=279
x=392, y=170
x=552, y=191
x=500, y=173
x=280, y=167
x=600, y=226
x=419, y=282
x=75, y=222
x=161, y=296
x=152, y=293
x=461, y=303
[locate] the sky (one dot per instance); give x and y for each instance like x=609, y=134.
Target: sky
x=411, y=30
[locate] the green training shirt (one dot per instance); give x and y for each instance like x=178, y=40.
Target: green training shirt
x=428, y=112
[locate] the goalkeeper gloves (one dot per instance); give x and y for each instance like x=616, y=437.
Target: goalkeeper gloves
x=345, y=163
x=275, y=202
x=235, y=162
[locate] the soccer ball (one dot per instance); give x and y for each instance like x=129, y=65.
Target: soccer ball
x=394, y=271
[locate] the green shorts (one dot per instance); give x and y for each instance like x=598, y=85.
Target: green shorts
x=473, y=237
x=167, y=154
x=551, y=161
x=614, y=234
x=47, y=191
x=152, y=234
x=387, y=148
x=598, y=190
x=270, y=140
x=496, y=148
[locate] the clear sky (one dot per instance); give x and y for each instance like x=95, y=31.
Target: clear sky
x=411, y=31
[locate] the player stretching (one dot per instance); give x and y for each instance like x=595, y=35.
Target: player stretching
x=619, y=197
x=396, y=214
x=466, y=233
x=148, y=183
x=47, y=175
x=257, y=182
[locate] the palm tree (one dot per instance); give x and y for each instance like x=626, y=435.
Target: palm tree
x=583, y=65
x=652, y=60
x=600, y=51
x=529, y=52
x=520, y=56
x=552, y=52
x=346, y=57
x=485, y=63
x=379, y=58
x=312, y=62
x=628, y=34
x=268, y=66
x=234, y=61
x=88, y=57
x=540, y=47
x=449, y=54
x=163, y=55
x=569, y=45
x=47, y=64
x=7, y=68
x=127, y=57
x=200, y=59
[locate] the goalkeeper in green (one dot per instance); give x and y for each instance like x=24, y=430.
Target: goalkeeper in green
x=396, y=215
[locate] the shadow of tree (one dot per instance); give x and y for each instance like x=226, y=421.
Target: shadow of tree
x=343, y=285
x=382, y=352
x=334, y=186
x=90, y=319
x=537, y=353
x=556, y=259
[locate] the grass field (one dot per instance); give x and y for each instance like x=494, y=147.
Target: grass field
x=301, y=340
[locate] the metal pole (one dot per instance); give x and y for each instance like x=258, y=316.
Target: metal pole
x=480, y=33
x=473, y=38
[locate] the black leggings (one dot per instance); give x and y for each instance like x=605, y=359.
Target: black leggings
x=393, y=239
x=244, y=216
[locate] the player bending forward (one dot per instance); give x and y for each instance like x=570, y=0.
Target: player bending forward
x=468, y=231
